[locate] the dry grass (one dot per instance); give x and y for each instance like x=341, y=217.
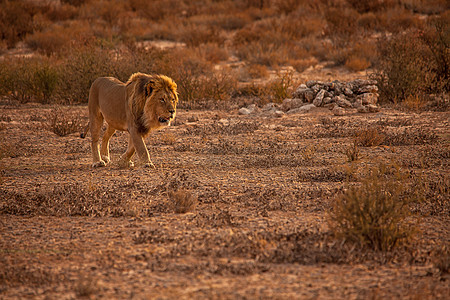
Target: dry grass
x=369, y=137
x=63, y=122
x=182, y=201
x=376, y=213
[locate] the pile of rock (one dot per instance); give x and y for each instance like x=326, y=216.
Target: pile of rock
x=338, y=96
x=360, y=94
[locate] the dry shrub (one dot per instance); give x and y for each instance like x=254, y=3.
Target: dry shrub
x=427, y=6
x=301, y=65
x=369, y=137
x=86, y=287
x=282, y=86
x=352, y=152
x=182, y=201
x=376, y=213
x=356, y=63
x=26, y=79
x=441, y=259
x=54, y=39
x=63, y=123
x=257, y=71
x=16, y=20
x=363, y=6
x=415, y=63
x=341, y=23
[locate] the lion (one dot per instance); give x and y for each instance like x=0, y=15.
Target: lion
x=143, y=104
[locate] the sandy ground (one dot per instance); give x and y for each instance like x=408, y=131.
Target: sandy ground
x=263, y=188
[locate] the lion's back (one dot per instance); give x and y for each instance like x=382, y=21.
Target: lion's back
x=108, y=95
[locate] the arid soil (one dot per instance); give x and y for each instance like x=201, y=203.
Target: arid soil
x=263, y=188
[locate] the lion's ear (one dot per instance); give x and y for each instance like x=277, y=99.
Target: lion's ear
x=149, y=88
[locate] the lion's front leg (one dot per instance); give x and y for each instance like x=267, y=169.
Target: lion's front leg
x=141, y=149
x=125, y=159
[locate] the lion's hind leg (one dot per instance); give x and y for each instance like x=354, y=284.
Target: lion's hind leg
x=96, y=123
x=104, y=151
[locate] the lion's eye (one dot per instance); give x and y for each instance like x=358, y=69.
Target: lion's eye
x=162, y=100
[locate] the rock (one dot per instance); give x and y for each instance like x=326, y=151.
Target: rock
x=252, y=108
x=368, y=98
x=368, y=89
x=319, y=98
x=278, y=113
x=348, y=91
x=269, y=106
x=303, y=109
x=357, y=103
x=342, y=102
x=338, y=111
x=309, y=96
x=316, y=88
x=372, y=108
x=289, y=103
x=327, y=100
x=300, y=92
x=244, y=111
x=362, y=109
x=311, y=83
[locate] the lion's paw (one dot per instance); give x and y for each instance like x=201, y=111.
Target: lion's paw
x=106, y=159
x=125, y=164
x=149, y=165
x=99, y=164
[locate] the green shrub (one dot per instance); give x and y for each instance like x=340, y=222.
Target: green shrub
x=376, y=213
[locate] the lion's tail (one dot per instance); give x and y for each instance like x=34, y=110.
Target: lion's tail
x=85, y=131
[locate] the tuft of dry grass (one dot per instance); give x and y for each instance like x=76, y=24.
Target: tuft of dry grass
x=376, y=213
x=182, y=201
x=369, y=137
x=63, y=123
x=352, y=152
x=441, y=259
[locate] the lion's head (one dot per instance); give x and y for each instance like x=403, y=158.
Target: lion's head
x=153, y=99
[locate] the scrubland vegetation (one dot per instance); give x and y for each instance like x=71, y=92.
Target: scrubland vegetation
x=308, y=205
x=404, y=44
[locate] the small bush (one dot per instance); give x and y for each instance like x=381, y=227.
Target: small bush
x=369, y=137
x=442, y=259
x=415, y=63
x=352, y=152
x=62, y=123
x=183, y=201
x=374, y=214
x=282, y=86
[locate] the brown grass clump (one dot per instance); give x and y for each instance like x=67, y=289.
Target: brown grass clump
x=415, y=63
x=369, y=137
x=352, y=152
x=62, y=123
x=442, y=259
x=376, y=213
x=183, y=201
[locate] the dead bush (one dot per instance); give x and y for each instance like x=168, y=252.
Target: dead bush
x=441, y=259
x=376, y=213
x=369, y=137
x=63, y=123
x=352, y=152
x=182, y=201
x=16, y=20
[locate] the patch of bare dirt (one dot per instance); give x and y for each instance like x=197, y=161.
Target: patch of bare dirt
x=262, y=188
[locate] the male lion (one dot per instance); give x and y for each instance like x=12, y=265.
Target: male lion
x=144, y=103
